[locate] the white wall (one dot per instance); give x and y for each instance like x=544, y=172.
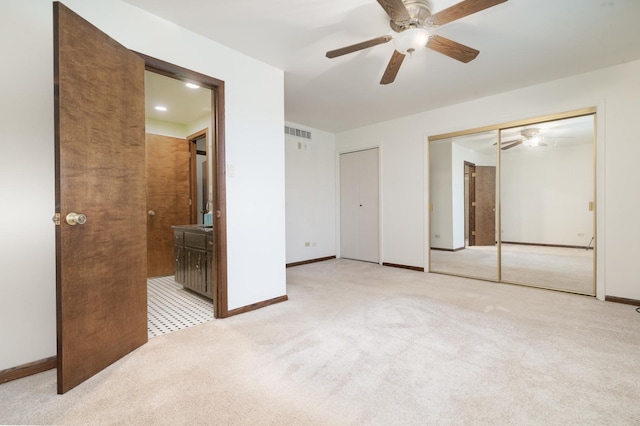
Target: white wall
x=612, y=90
x=546, y=194
x=158, y=127
x=441, y=185
x=254, y=139
x=310, y=195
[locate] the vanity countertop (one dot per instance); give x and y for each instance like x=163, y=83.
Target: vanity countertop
x=193, y=228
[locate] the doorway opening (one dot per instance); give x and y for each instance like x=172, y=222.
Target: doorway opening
x=178, y=119
x=193, y=111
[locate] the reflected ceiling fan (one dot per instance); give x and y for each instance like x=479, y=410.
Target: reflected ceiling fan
x=414, y=23
x=531, y=138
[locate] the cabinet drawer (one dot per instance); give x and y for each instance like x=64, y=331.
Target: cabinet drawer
x=178, y=237
x=198, y=240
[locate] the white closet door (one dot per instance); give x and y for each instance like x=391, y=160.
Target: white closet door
x=359, y=205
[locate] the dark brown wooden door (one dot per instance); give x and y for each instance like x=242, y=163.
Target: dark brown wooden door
x=485, y=205
x=168, y=194
x=101, y=272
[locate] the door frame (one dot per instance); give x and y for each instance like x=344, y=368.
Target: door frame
x=471, y=198
x=339, y=203
x=220, y=294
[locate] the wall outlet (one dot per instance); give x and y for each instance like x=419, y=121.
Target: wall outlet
x=307, y=244
x=580, y=234
x=437, y=235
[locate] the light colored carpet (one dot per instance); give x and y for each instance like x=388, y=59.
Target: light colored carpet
x=559, y=268
x=362, y=344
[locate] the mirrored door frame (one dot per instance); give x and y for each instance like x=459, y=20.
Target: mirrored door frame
x=498, y=128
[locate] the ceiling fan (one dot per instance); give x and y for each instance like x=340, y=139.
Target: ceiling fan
x=413, y=21
x=531, y=137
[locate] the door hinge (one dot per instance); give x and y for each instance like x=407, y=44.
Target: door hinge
x=56, y=219
x=473, y=204
x=473, y=232
x=189, y=201
x=591, y=206
x=473, y=174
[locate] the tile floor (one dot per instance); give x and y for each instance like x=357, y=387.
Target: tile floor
x=172, y=308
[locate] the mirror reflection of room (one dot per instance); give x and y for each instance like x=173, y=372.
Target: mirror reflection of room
x=547, y=193
x=531, y=220
x=463, y=203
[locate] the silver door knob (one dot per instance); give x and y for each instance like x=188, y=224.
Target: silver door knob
x=152, y=213
x=76, y=219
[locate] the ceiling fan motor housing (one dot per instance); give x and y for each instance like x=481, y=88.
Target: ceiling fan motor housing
x=419, y=10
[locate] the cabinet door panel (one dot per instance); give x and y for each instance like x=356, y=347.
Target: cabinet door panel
x=179, y=264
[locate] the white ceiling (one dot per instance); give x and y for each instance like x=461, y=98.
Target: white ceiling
x=521, y=43
x=184, y=105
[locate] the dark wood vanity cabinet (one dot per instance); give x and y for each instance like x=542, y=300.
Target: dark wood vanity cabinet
x=193, y=248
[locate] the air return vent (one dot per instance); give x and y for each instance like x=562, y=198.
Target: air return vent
x=297, y=132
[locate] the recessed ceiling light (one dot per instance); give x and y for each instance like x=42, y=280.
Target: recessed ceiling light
x=161, y=108
x=192, y=86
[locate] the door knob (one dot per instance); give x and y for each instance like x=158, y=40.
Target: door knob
x=76, y=219
x=152, y=213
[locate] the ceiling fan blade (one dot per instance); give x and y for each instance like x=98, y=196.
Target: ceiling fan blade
x=511, y=146
x=462, y=9
x=452, y=49
x=393, y=68
x=358, y=46
x=396, y=10
x=508, y=142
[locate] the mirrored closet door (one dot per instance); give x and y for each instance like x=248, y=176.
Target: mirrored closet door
x=515, y=203
x=547, y=193
x=463, y=205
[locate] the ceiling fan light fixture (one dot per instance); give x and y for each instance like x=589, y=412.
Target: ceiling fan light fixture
x=531, y=137
x=532, y=142
x=411, y=39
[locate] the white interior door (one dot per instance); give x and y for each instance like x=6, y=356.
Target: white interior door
x=359, y=205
